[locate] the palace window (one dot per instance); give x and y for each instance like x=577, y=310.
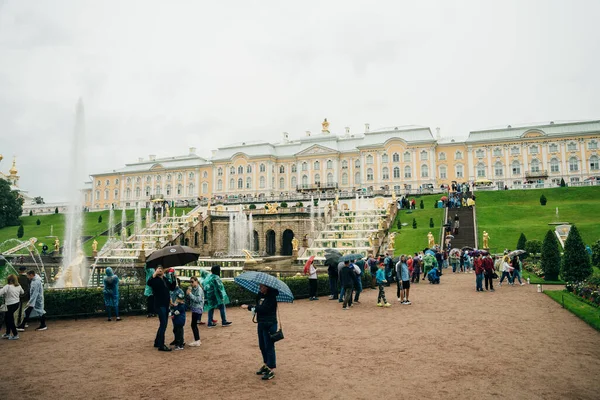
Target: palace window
x=480, y=153
x=442, y=156
x=316, y=166
x=369, y=159
x=384, y=158
x=204, y=188
x=553, y=148
x=138, y=192
x=98, y=183
x=357, y=164
x=116, y=193
x=281, y=169
x=369, y=174
x=191, y=175
x=593, y=145
x=329, y=164
x=219, y=173
x=304, y=166
x=232, y=171
x=459, y=171
x=443, y=173
x=179, y=176
x=157, y=178
x=498, y=170
x=554, y=165
x=97, y=195
x=330, y=178
x=262, y=168
x=385, y=174
x=594, y=165
x=262, y=182
x=396, y=172
x=534, y=150
x=572, y=146
x=281, y=183
x=304, y=180
x=168, y=190
x=294, y=182
x=219, y=185
x=240, y=170
x=169, y=177
x=117, y=181
x=407, y=172
x=406, y=157
x=535, y=165
x=248, y=169
x=458, y=155
x=205, y=175
x=191, y=189
x=317, y=179
x=497, y=152
x=147, y=190
x=127, y=194
x=294, y=168
x=240, y=183
x=481, y=170
x=180, y=189
x=231, y=184
x=344, y=178
x=107, y=182
x=344, y=164
x=516, y=168
x=357, y=178
x=573, y=164
x=424, y=171
x=396, y=157
x=515, y=151
x=424, y=155
x=248, y=183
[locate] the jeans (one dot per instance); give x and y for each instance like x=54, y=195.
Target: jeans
x=399, y=288
x=479, y=282
x=517, y=275
x=347, y=296
x=505, y=274
x=178, y=330
x=489, y=279
x=333, y=289
x=9, y=319
x=26, y=319
x=108, y=310
x=195, y=318
x=343, y=294
x=416, y=275
x=454, y=266
x=265, y=343
x=312, y=287
x=163, y=320
x=150, y=305
x=211, y=312
x=358, y=288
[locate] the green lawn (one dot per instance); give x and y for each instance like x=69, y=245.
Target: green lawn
x=409, y=240
x=588, y=313
x=536, y=279
x=505, y=214
x=55, y=223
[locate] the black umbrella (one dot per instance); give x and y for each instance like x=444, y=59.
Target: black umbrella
x=332, y=259
x=172, y=256
x=466, y=248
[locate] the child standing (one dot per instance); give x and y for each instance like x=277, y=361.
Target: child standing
x=178, y=315
x=380, y=282
x=196, y=295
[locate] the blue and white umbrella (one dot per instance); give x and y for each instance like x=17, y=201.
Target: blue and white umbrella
x=252, y=280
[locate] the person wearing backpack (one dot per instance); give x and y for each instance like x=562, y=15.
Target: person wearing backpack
x=387, y=262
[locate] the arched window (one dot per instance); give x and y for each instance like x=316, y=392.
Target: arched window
x=116, y=193
x=294, y=168
x=535, y=165
x=304, y=166
x=128, y=180
x=138, y=192
x=384, y=158
x=480, y=153
x=248, y=169
x=329, y=164
x=240, y=183
x=317, y=179
x=232, y=171
x=281, y=169
x=593, y=145
x=262, y=182
x=385, y=173
x=406, y=156
x=248, y=183
x=168, y=190
x=240, y=170
x=147, y=190
x=395, y=157
x=97, y=195
x=179, y=176
x=573, y=164
x=107, y=182
x=281, y=183
x=157, y=190
x=515, y=150
x=158, y=177
x=294, y=182
x=179, y=189
x=204, y=188
x=262, y=168
x=424, y=155
x=442, y=156
x=128, y=193
x=396, y=172
x=357, y=178
x=443, y=172
x=219, y=173
x=498, y=170
x=117, y=181
x=424, y=171
x=219, y=185
x=458, y=155
x=369, y=159
x=191, y=175
x=304, y=180
x=330, y=178
x=344, y=164
x=232, y=184
x=594, y=163
x=344, y=178
x=138, y=179
x=148, y=179
x=572, y=146
x=516, y=167
x=205, y=175
x=407, y=172
x=168, y=177
x=534, y=150
x=369, y=174
x=460, y=173
x=205, y=235
x=191, y=189
x=316, y=165
x=480, y=170
x=554, y=165
x=553, y=148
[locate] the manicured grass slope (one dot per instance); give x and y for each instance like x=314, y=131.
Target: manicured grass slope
x=505, y=214
x=588, y=313
x=409, y=240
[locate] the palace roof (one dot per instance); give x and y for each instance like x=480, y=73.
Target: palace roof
x=560, y=128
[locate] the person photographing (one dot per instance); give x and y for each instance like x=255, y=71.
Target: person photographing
x=161, y=289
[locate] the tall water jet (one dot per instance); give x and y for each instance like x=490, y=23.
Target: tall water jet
x=137, y=219
x=250, y=233
x=241, y=233
x=74, y=270
x=312, y=214
x=123, y=222
x=111, y=223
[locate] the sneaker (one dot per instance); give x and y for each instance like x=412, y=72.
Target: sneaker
x=492, y=290
x=5, y=336
x=387, y=305
x=13, y=337
x=268, y=375
x=400, y=300
x=379, y=305
x=178, y=348
x=226, y=323
x=315, y=298
x=311, y=298
x=211, y=325
x=262, y=370
x=344, y=308
x=522, y=284
x=118, y=318
x=172, y=343
x=41, y=328
x=19, y=329
x=26, y=325
x=195, y=343
x=214, y=321
x=407, y=302
x=164, y=348
x=201, y=323
x=356, y=302
x=109, y=319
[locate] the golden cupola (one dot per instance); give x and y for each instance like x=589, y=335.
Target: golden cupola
x=13, y=169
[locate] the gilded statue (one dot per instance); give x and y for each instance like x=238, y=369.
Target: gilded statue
x=95, y=245
x=391, y=240
x=271, y=208
x=486, y=243
x=337, y=199
x=431, y=241
x=56, y=245
x=143, y=245
x=295, y=244
x=249, y=259
x=371, y=240
x=325, y=126
x=380, y=227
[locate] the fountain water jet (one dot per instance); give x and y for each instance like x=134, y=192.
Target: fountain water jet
x=111, y=223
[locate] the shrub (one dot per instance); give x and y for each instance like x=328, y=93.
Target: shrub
x=30, y=213
x=576, y=265
x=521, y=245
x=533, y=247
x=414, y=224
x=56, y=210
x=38, y=222
x=431, y=222
x=421, y=205
x=315, y=202
x=435, y=204
x=562, y=182
x=283, y=204
x=20, y=231
x=399, y=224
x=543, y=200
x=129, y=231
x=299, y=204
x=99, y=219
x=596, y=254
x=252, y=207
x=550, y=261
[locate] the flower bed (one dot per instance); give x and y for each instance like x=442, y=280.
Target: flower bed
x=587, y=291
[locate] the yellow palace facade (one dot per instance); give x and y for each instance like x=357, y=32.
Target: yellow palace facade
x=407, y=158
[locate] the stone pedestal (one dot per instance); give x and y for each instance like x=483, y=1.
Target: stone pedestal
x=94, y=254
x=295, y=253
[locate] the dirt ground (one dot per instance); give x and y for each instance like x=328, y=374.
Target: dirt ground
x=452, y=342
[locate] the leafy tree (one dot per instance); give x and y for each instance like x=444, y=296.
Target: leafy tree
x=99, y=219
x=283, y=204
x=11, y=205
x=414, y=224
x=431, y=222
x=38, y=222
x=399, y=224
x=521, y=245
x=421, y=205
x=533, y=247
x=39, y=200
x=576, y=265
x=20, y=231
x=315, y=202
x=56, y=210
x=562, y=182
x=252, y=206
x=435, y=204
x=550, y=262
x=543, y=200
x=596, y=254
x=31, y=213
x=298, y=204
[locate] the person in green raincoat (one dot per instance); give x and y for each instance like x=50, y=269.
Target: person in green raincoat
x=148, y=293
x=216, y=297
x=429, y=263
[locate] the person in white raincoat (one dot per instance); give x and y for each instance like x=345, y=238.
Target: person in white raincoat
x=35, y=306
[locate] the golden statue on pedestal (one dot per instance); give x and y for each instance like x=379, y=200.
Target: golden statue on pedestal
x=56, y=245
x=295, y=243
x=95, y=245
x=325, y=126
x=430, y=240
x=486, y=237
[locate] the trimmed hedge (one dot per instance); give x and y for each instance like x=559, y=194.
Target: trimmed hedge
x=80, y=302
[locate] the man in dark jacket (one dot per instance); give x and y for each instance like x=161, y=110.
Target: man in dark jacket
x=332, y=272
x=161, y=289
x=347, y=282
x=24, y=282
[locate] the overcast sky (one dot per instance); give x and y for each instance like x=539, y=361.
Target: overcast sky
x=157, y=77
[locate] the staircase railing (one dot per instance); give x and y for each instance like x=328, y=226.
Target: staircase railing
x=475, y=227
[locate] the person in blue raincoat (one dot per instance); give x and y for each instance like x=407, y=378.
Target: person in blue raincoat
x=111, y=293
x=35, y=306
x=434, y=276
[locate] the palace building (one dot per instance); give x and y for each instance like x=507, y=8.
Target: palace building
x=398, y=158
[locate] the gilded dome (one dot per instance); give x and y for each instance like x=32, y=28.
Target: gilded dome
x=13, y=169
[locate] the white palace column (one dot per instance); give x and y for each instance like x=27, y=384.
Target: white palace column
x=414, y=177
x=563, y=155
x=546, y=166
x=525, y=155
x=432, y=166
x=470, y=165
x=583, y=159
x=489, y=168
x=507, y=166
